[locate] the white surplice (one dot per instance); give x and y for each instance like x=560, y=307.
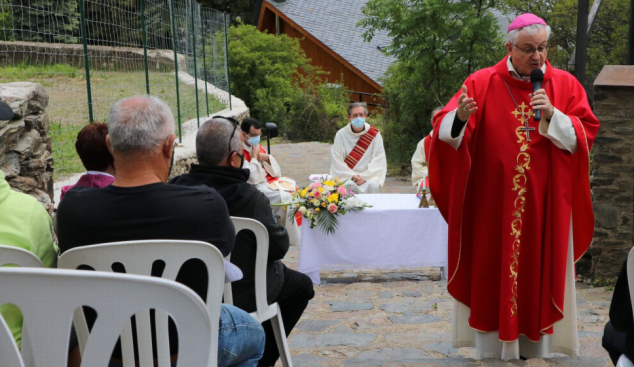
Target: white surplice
x=372, y=167
x=420, y=170
x=565, y=338
x=258, y=179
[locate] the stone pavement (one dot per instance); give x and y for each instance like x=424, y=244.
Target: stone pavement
x=401, y=317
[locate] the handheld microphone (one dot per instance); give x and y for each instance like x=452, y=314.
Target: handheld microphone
x=537, y=77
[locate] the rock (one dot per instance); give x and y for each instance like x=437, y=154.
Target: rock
x=307, y=360
x=415, y=319
x=28, y=143
x=309, y=341
x=412, y=294
x=408, y=306
x=316, y=326
x=386, y=295
x=37, y=164
x=23, y=184
x=10, y=134
x=10, y=164
x=24, y=98
x=337, y=306
x=44, y=199
x=382, y=356
x=607, y=216
x=3, y=123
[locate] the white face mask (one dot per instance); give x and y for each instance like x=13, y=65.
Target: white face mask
x=358, y=122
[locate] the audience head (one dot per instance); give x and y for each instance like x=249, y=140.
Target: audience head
x=218, y=143
x=141, y=132
x=251, y=131
x=92, y=148
x=434, y=112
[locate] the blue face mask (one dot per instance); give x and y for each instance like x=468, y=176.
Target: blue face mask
x=358, y=122
x=254, y=140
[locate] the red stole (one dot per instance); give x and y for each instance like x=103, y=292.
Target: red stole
x=509, y=202
x=361, y=147
x=247, y=156
x=427, y=145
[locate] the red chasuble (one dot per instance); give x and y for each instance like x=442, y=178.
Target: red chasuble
x=509, y=202
x=247, y=157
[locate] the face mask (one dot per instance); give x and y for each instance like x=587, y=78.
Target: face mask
x=254, y=140
x=241, y=159
x=358, y=122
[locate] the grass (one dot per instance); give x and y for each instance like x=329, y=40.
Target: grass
x=68, y=101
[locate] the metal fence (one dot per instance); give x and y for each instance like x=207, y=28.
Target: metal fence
x=90, y=53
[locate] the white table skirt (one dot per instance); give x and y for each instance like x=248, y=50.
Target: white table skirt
x=393, y=234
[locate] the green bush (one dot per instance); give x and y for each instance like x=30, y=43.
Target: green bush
x=273, y=76
x=54, y=21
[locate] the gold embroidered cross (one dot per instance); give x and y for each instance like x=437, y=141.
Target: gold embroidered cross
x=525, y=116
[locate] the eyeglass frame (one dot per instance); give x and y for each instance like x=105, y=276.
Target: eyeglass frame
x=235, y=127
x=525, y=52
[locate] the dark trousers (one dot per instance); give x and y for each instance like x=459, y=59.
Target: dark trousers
x=292, y=300
x=615, y=343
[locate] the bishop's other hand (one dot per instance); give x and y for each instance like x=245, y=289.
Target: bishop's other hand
x=466, y=105
x=540, y=101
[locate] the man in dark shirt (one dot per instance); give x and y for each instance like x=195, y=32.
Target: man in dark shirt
x=139, y=205
x=618, y=336
x=218, y=147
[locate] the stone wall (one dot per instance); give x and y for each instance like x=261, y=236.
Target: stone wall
x=100, y=57
x=25, y=147
x=613, y=171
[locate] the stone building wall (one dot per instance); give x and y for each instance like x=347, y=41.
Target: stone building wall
x=25, y=147
x=613, y=171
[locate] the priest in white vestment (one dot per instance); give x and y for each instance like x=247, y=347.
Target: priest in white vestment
x=357, y=153
x=266, y=175
x=420, y=159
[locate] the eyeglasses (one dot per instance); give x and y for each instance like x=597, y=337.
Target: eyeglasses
x=531, y=51
x=235, y=127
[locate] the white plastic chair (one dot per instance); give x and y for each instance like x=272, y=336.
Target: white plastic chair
x=48, y=298
x=10, y=255
x=624, y=362
x=138, y=257
x=264, y=311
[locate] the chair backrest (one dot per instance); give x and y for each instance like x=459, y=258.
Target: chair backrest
x=48, y=298
x=10, y=255
x=261, y=259
x=138, y=257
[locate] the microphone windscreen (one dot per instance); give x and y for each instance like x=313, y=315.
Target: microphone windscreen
x=537, y=75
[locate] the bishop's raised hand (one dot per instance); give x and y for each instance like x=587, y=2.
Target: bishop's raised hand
x=466, y=105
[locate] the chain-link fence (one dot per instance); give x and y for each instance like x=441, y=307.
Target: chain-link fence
x=90, y=53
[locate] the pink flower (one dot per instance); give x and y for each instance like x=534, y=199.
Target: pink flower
x=332, y=208
x=342, y=190
x=316, y=185
x=317, y=194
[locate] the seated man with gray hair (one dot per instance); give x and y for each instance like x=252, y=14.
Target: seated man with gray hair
x=358, y=154
x=218, y=148
x=139, y=205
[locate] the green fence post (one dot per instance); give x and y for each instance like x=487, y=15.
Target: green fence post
x=195, y=67
x=202, y=31
x=227, y=60
x=82, y=10
x=147, y=74
x=175, y=48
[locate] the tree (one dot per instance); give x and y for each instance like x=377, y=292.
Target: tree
x=607, y=42
x=239, y=9
x=437, y=44
x=45, y=20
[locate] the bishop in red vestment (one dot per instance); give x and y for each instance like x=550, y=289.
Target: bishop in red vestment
x=516, y=195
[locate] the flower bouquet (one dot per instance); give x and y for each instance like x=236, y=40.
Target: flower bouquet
x=322, y=201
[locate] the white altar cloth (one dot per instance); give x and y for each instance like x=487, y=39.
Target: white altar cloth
x=393, y=234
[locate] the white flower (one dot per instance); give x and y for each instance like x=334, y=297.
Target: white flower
x=352, y=202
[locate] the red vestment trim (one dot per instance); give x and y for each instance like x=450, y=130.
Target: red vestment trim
x=360, y=148
x=247, y=156
x=477, y=189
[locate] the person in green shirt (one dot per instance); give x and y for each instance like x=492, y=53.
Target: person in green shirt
x=24, y=223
